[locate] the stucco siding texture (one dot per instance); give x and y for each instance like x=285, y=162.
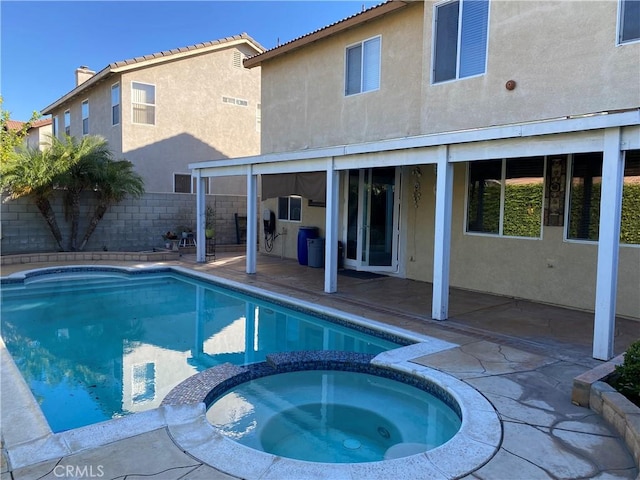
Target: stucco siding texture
x=192, y=122
x=304, y=91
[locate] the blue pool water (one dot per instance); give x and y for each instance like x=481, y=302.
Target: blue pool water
x=97, y=345
x=333, y=417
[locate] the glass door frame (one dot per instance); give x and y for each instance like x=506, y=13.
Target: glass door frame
x=361, y=262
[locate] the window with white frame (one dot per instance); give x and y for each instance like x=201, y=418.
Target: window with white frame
x=506, y=197
x=258, y=118
x=67, y=122
x=584, y=198
x=85, y=117
x=143, y=103
x=460, y=39
x=290, y=208
x=362, y=71
x=115, y=104
x=628, y=21
x=185, y=183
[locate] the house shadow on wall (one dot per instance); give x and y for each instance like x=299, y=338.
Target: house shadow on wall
x=161, y=162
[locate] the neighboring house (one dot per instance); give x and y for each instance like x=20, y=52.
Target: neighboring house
x=485, y=145
x=38, y=133
x=165, y=110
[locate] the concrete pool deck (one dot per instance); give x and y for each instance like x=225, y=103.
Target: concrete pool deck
x=520, y=355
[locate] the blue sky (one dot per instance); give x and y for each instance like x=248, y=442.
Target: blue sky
x=42, y=43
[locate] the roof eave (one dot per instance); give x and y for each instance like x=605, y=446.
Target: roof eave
x=325, y=32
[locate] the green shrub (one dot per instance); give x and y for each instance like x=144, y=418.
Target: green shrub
x=627, y=379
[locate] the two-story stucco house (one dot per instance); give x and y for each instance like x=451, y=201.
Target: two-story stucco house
x=165, y=110
x=484, y=144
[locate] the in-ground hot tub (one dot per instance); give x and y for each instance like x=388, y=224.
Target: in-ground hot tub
x=476, y=441
x=334, y=416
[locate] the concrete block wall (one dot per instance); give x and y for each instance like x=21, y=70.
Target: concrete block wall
x=132, y=225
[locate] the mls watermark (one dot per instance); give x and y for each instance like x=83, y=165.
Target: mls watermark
x=78, y=471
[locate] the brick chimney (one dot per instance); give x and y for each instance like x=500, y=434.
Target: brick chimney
x=83, y=74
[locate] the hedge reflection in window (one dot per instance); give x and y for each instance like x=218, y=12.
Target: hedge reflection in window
x=505, y=197
x=585, y=188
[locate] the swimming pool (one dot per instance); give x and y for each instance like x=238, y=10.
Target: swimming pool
x=94, y=343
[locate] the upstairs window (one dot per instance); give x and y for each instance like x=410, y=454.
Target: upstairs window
x=143, y=102
x=290, y=208
x=460, y=39
x=67, y=122
x=55, y=126
x=506, y=197
x=115, y=104
x=85, y=117
x=628, y=21
x=363, y=67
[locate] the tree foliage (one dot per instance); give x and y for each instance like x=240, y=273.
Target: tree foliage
x=72, y=167
x=11, y=139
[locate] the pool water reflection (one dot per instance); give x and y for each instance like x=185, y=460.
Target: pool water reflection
x=98, y=346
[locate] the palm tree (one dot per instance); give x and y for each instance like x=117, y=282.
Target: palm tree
x=33, y=173
x=114, y=181
x=90, y=154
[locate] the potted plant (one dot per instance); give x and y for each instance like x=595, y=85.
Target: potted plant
x=167, y=237
x=210, y=222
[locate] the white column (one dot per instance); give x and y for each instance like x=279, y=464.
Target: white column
x=201, y=247
x=442, y=236
x=252, y=233
x=331, y=231
x=608, y=245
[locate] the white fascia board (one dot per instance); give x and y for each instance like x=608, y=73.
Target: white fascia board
x=222, y=171
x=630, y=138
x=410, y=156
x=292, y=166
x=579, y=142
x=490, y=134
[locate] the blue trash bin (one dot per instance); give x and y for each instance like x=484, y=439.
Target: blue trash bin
x=304, y=234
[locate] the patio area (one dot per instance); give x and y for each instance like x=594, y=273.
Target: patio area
x=522, y=356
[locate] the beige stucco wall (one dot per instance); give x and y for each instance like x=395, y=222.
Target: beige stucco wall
x=99, y=97
x=303, y=91
x=550, y=270
x=562, y=55
x=192, y=123
x=286, y=244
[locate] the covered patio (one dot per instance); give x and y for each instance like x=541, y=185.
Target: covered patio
x=610, y=133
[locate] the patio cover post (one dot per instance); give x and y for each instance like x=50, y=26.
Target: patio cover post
x=331, y=231
x=200, y=217
x=608, y=245
x=252, y=233
x=442, y=235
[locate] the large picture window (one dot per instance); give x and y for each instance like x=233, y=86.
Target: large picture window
x=143, y=102
x=460, y=39
x=585, y=188
x=505, y=197
x=363, y=67
x=629, y=21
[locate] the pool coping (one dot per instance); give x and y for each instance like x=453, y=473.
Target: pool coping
x=477, y=441
x=26, y=435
